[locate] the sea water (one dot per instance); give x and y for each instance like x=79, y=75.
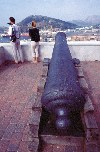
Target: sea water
x=7, y=39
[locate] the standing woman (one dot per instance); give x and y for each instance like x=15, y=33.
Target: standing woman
x=35, y=38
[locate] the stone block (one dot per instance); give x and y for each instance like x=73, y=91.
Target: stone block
x=33, y=130
x=80, y=72
x=35, y=118
x=83, y=84
x=59, y=148
x=92, y=134
x=37, y=104
x=47, y=148
x=91, y=147
x=33, y=145
x=88, y=105
x=41, y=85
x=63, y=140
x=90, y=120
x=45, y=71
x=46, y=61
x=74, y=149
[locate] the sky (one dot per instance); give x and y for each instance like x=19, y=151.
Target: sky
x=66, y=10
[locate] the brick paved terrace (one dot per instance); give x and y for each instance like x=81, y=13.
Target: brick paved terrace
x=18, y=86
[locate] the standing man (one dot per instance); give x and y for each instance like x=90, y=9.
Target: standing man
x=14, y=33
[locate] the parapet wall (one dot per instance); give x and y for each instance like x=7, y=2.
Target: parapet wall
x=2, y=55
x=83, y=50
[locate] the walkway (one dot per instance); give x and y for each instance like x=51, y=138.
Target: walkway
x=18, y=86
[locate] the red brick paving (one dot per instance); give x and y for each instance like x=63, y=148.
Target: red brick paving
x=18, y=86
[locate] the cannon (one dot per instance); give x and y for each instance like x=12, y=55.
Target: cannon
x=63, y=97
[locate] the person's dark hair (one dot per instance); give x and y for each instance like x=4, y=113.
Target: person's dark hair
x=12, y=19
x=33, y=24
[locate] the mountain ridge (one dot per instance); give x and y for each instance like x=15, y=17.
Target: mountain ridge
x=91, y=20
x=44, y=22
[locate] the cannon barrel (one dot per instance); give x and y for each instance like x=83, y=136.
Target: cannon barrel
x=62, y=95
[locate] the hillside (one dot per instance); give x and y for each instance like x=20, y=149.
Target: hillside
x=89, y=21
x=44, y=22
x=93, y=20
x=80, y=23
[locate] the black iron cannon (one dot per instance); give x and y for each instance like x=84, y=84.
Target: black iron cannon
x=62, y=97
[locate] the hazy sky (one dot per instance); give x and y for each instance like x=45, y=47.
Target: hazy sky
x=61, y=9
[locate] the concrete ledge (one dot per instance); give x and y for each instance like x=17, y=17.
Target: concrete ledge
x=2, y=55
x=82, y=50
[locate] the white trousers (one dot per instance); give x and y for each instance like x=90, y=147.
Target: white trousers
x=17, y=52
x=35, y=49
